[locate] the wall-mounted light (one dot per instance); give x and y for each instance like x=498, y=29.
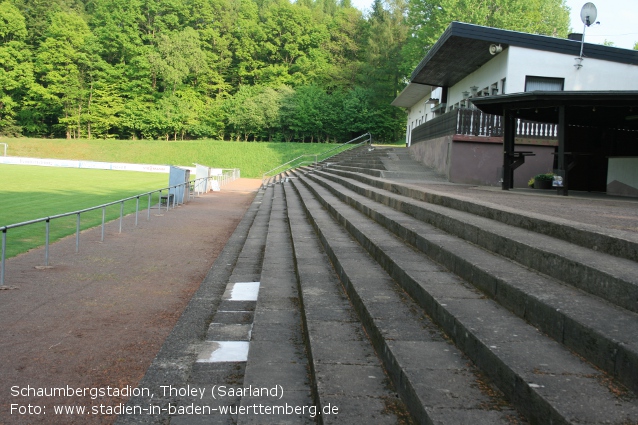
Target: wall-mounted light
x=495, y=49
x=466, y=96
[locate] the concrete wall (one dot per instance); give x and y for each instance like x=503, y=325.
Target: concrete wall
x=479, y=163
x=434, y=153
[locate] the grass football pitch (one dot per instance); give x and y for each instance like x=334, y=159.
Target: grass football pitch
x=28, y=193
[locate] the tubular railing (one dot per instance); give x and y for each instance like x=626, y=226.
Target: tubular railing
x=170, y=197
x=299, y=161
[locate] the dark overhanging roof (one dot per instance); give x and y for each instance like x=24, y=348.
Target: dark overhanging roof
x=463, y=48
x=609, y=109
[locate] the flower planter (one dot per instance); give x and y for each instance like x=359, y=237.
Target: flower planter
x=542, y=184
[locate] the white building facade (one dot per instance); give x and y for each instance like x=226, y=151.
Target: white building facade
x=470, y=61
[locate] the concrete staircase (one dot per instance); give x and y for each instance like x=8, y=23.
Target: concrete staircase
x=542, y=316
x=396, y=304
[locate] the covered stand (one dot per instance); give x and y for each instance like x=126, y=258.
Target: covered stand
x=597, y=136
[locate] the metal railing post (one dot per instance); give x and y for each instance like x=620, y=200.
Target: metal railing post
x=121, y=214
x=103, y=217
x=148, y=210
x=137, y=208
x=46, y=243
x=4, y=250
x=77, y=234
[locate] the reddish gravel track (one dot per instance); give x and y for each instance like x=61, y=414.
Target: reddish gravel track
x=97, y=319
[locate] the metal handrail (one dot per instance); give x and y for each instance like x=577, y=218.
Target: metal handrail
x=368, y=140
x=186, y=187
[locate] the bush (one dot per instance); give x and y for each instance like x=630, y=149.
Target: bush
x=544, y=177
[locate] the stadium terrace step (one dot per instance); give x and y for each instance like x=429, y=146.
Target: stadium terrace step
x=277, y=357
x=381, y=162
x=395, y=303
x=537, y=373
x=434, y=379
x=346, y=373
x=560, y=311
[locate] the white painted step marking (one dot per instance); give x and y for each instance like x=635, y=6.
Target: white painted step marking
x=224, y=351
x=242, y=291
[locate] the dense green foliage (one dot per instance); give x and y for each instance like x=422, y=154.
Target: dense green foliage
x=243, y=70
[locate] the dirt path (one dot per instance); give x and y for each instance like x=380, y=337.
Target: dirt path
x=96, y=319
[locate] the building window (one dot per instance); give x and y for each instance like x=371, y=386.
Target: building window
x=544, y=84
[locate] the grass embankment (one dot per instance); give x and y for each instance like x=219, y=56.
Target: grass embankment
x=253, y=159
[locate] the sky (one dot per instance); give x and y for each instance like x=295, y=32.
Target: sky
x=618, y=20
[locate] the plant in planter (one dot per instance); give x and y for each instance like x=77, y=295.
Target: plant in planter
x=543, y=181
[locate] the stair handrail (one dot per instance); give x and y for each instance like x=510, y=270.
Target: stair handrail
x=368, y=140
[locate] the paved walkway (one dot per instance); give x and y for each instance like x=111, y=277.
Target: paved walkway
x=611, y=212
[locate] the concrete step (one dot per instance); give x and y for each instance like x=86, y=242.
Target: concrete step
x=277, y=358
x=176, y=368
x=410, y=175
x=355, y=163
x=435, y=380
x=605, y=275
x=610, y=241
x=348, y=377
x=222, y=355
x=538, y=374
x=602, y=333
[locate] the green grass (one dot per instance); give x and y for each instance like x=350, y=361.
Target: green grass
x=28, y=193
x=253, y=159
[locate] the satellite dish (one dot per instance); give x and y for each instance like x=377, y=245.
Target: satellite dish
x=588, y=13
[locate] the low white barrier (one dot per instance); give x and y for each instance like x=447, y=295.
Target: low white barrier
x=70, y=163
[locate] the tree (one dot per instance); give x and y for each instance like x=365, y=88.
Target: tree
x=177, y=56
x=291, y=46
x=253, y=112
x=344, y=48
x=116, y=24
x=428, y=19
x=16, y=67
x=63, y=66
x=306, y=114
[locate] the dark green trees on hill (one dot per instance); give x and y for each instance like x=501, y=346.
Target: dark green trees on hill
x=250, y=70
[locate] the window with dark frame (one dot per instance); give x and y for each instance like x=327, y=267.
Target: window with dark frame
x=543, y=83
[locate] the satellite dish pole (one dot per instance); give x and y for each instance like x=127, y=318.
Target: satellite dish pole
x=588, y=15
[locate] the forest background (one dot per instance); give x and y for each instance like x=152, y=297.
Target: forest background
x=249, y=70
